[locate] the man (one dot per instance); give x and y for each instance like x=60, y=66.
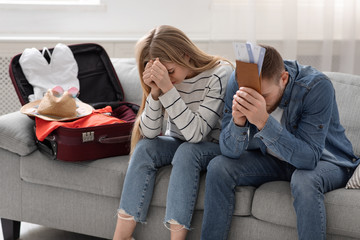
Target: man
x=290, y=132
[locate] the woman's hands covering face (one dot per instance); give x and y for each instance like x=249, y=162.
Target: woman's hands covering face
x=156, y=76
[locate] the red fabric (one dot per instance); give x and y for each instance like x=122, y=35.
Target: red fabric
x=97, y=118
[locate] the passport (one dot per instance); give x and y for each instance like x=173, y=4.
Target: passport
x=249, y=61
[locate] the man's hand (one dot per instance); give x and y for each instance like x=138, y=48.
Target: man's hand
x=238, y=117
x=252, y=105
x=155, y=90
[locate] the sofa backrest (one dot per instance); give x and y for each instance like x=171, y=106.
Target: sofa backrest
x=128, y=74
x=347, y=92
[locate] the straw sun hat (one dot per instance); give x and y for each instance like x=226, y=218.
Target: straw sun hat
x=58, y=105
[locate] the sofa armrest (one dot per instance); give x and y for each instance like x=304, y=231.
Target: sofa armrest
x=17, y=133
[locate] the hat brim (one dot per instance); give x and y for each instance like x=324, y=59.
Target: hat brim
x=82, y=110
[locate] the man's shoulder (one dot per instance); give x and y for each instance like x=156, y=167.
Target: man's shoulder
x=305, y=75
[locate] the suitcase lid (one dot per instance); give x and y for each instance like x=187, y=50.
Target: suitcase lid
x=99, y=83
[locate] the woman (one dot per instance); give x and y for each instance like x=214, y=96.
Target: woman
x=189, y=85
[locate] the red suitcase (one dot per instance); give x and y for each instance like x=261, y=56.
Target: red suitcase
x=99, y=87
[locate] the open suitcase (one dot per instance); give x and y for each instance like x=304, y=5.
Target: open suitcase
x=99, y=87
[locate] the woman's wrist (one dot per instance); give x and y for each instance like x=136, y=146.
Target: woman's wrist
x=155, y=94
x=167, y=88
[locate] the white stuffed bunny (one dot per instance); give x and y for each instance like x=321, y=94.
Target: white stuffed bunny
x=61, y=71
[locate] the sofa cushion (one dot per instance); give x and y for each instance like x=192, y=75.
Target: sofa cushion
x=243, y=194
x=128, y=75
x=106, y=177
x=102, y=177
x=343, y=211
x=17, y=133
x=273, y=203
x=347, y=88
x=243, y=200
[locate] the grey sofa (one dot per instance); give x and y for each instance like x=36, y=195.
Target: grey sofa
x=83, y=197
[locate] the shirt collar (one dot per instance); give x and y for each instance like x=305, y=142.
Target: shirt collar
x=291, y=67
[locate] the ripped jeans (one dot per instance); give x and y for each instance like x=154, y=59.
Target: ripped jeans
x=188, y=160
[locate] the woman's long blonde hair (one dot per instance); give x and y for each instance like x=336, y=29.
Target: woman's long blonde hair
x=169, y=44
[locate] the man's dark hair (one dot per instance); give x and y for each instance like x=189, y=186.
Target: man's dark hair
x=273, y=64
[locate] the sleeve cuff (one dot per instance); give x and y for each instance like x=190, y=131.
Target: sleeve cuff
x=236, y=132
x=271, y=131
x=169, y=97
x=153, y=103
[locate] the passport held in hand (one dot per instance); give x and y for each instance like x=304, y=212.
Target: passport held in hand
x=249, y=60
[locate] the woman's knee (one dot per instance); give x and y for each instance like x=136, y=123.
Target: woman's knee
x=145, y=145
x=144, y=153
x=185, y=155
x=195, y=154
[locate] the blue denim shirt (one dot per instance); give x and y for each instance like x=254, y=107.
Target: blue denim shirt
x=310, y=130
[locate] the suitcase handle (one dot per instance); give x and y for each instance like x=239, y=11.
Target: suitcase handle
x=121, y=139
x=48, y=146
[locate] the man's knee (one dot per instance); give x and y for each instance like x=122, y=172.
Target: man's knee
x=218, y=168
x=305, y=183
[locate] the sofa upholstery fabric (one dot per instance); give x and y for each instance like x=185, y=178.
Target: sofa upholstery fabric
x=83, y=197
x=17, y=137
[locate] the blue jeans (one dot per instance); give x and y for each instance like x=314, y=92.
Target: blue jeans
x=253, y=168
x=188, y=159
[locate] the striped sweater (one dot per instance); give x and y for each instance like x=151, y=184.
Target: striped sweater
x=194, y=107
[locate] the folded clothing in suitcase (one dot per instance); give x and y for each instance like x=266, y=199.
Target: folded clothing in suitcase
x=99, y=87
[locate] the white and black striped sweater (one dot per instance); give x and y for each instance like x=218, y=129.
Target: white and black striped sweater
x=194, y=107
